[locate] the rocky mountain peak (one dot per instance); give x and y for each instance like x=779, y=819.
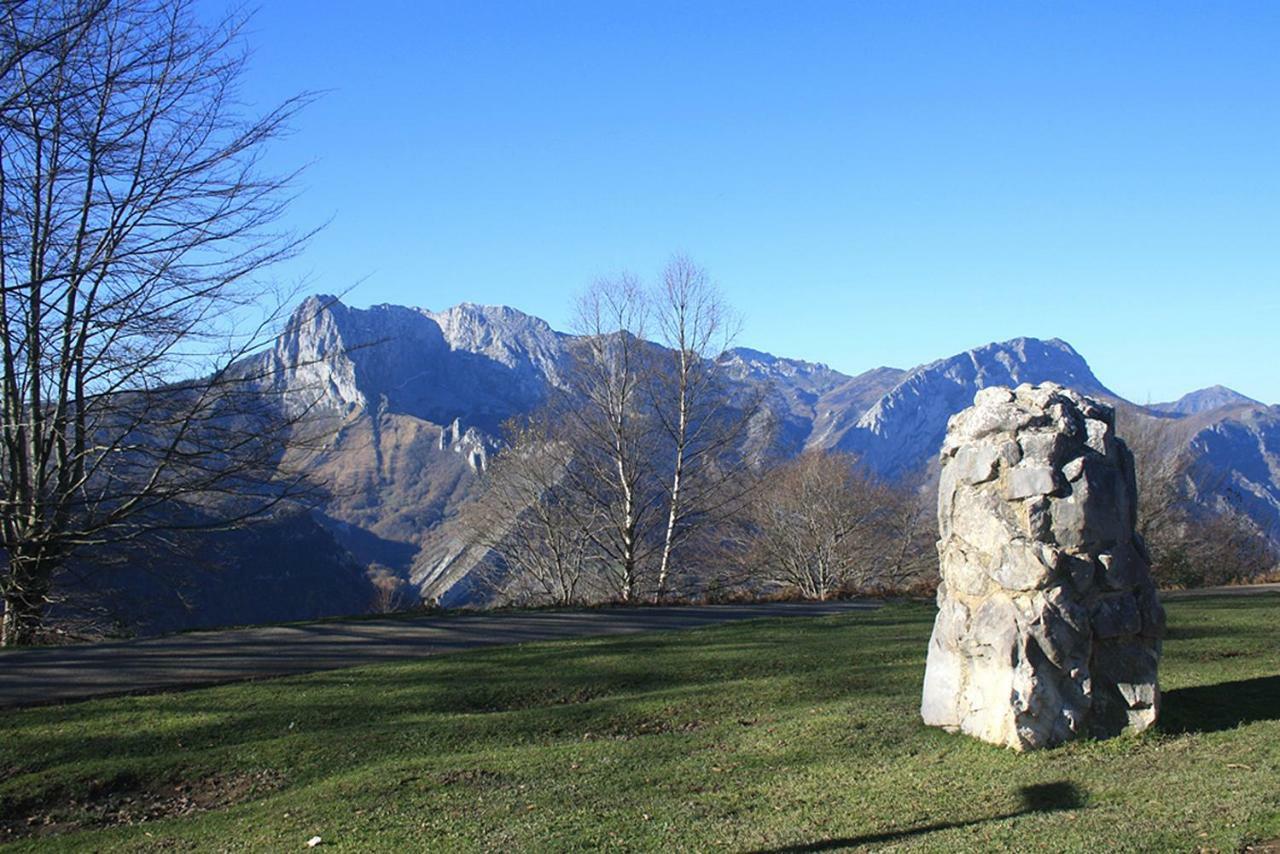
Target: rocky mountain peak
x=510, y=337
x=905, y=425
x=746, y=364
x=1010, y=362
x=480, y=364
x=1205, y=400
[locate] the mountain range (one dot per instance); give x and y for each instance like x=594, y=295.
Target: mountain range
x=420, y=397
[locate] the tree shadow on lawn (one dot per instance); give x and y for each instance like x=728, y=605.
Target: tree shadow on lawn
x=1226, y=705
x=1041, y=798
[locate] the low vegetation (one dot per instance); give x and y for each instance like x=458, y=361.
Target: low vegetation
x=786, y=735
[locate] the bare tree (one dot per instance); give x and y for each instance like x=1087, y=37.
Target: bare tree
x=911, y=535
x=135, y=222
x=607, y=427
x=390, y=592
x=643, y=442
x=540, y=529
x=1163, y=471
x=693, y=408
x=821, y=527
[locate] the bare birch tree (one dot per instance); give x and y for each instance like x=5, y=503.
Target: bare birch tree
x=643, y=440
x=605, y=422
x=693, y=407
x=135, y=221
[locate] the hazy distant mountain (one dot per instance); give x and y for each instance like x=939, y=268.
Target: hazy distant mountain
x=418, y=397
x=1205, y=400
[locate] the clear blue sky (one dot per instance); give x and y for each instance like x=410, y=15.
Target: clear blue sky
x=870, y=183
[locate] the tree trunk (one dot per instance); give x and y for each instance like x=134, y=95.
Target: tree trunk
x=664, y=567
x=23, y=612
x=682, y=431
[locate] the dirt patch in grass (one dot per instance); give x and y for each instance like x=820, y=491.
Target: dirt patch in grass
x=124, y=802
x=476, y=778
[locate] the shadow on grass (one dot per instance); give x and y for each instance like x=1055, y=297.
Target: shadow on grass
x=1226, y=705
x=1042, y=798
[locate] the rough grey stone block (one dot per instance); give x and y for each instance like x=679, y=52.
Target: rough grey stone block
x=1048, y=626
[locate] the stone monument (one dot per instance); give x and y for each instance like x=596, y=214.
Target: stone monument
x=1048, y=624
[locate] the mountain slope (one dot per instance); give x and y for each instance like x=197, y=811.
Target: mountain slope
x=901, y=432
x=793, y=390
x=1238, y=463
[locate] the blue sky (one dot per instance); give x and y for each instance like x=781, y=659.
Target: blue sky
x=870, y=183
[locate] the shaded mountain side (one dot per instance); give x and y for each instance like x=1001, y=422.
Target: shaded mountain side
x=1237, y=457
x=391, y=479
x=289, y=568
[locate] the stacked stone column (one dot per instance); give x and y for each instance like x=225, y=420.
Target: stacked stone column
x=1048, y=625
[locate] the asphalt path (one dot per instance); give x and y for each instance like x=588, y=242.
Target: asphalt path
x=45, y=675
x=31, y=677
x=1236, y=590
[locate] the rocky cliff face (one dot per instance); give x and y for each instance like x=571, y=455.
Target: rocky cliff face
x=476, y=364
x=415, y=401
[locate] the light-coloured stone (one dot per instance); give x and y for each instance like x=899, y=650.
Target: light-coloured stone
x=1021, y=566
x=966, y=573
x=1048, y=626
x=975, y=464
x=1042, y=447
x=1028, y=481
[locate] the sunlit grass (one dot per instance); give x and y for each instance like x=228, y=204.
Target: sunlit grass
x=763, y=735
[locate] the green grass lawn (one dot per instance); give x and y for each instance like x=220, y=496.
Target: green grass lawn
x=791, y=734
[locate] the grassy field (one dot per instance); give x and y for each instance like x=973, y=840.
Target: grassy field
x=780, y=735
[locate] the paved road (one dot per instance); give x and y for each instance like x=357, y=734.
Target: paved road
x=1236, y=590
x=31, y=677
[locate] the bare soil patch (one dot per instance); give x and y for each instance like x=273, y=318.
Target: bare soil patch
x=123, y=802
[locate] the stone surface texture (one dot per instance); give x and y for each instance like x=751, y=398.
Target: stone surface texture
x=1048, y=624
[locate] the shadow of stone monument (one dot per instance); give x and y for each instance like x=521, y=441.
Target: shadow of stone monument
x=1040, y=798
x=1222, y=706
